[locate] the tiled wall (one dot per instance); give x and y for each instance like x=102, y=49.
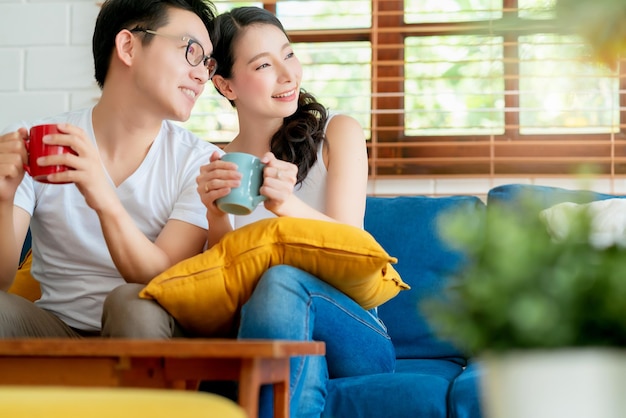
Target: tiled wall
x=45, y=55
x=479, y=186
x=47, y=68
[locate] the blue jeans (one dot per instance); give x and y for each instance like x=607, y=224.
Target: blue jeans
x=291, y=304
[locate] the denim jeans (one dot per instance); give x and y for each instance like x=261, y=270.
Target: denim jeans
x=291, y=304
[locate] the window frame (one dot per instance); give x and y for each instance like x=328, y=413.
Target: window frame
x=393, y=154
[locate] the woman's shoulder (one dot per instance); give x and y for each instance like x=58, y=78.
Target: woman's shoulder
x=344, y=139
x=341, y=126
x=341, y=119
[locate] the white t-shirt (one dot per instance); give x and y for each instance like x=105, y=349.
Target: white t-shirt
x=70, y=257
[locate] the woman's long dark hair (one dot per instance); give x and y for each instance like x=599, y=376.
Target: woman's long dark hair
x=302, y=133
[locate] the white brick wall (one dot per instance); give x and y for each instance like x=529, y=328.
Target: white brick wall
x=45, y=56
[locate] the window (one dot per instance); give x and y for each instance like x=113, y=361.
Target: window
x=452, y=87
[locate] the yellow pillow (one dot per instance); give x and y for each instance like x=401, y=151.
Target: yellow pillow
x=79, y=402
x=205, y=292
x=24, y=284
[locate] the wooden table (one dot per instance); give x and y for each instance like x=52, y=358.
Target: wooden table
x=177, y=364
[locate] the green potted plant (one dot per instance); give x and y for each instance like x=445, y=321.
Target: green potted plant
x=545, y=314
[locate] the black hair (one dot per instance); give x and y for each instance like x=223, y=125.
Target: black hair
x=301, y=134
x=116, y=15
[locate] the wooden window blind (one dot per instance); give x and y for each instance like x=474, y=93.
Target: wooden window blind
x=487, y=88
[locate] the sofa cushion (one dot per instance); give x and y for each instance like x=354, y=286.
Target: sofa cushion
x=543, y=196
x=418, y=390
x=205, y=293
x=24, y=284
x=464, y=399
x=607, y=217
x=448, y=368
x=407, y=227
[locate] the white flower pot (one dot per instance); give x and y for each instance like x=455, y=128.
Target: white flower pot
x=560, y=383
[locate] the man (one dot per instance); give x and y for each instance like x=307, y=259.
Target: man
x=130, y=208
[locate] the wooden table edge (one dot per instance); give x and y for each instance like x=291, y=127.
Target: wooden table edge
x=178, y=347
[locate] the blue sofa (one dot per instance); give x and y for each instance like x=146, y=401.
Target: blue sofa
x=433, y=379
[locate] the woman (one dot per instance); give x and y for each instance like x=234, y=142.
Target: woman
x=316, y=167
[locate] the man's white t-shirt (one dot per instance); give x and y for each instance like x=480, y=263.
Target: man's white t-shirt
x=71, y=260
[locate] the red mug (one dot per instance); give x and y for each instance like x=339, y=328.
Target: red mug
x=36, y=148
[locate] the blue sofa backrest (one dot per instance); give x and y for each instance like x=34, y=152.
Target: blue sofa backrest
x=543, y=196
x=26, y=246
x=407, y=228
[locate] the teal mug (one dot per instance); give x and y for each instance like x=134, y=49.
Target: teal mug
x=243, y=199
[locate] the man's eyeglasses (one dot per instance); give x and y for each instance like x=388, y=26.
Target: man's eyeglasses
x=194, y=53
